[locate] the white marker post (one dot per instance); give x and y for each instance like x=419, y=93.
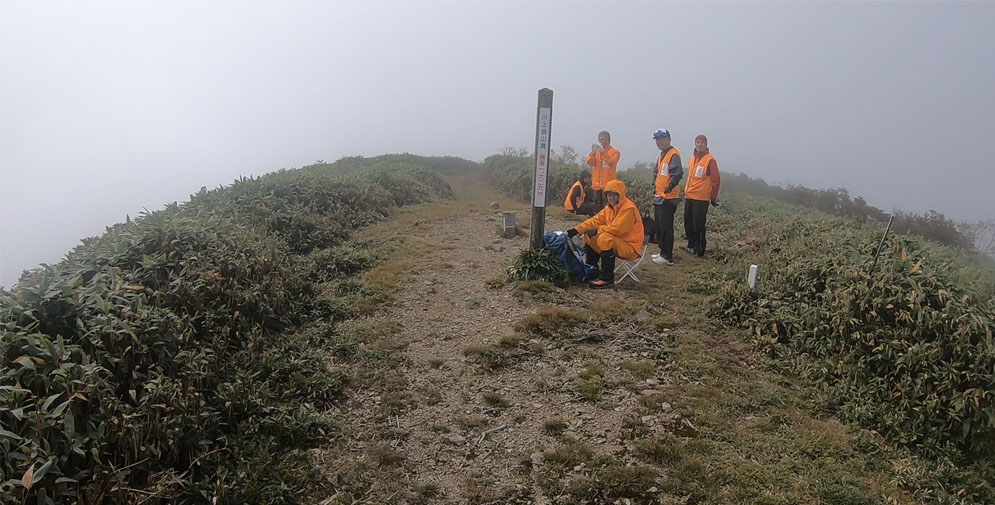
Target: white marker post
x=751, y=276
x=544, y=122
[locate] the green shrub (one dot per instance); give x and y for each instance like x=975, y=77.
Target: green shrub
x=907, y=349
x=339, y=261
x=159, y=361
x=537, y=265
x=513, y=176
x=837, y=201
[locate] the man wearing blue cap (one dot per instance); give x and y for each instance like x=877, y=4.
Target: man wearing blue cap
x=666, y=194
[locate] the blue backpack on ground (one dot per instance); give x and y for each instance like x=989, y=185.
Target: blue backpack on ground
x=559, y=245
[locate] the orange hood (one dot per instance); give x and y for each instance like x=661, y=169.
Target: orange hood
x=618, y=187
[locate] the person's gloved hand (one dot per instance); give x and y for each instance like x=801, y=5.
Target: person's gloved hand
x=572, y=232
x=592, y=233
x=715, y=203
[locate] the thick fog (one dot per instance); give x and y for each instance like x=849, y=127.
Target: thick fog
x=107, y=108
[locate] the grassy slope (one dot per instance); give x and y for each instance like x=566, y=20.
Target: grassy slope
x=749, y=431
x=758, y=435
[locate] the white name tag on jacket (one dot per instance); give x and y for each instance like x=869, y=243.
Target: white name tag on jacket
x=699, y=171
x=665, y=171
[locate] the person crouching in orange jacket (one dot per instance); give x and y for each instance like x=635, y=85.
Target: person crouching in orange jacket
x=615, y=231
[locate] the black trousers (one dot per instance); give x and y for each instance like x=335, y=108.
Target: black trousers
x=606, y=271
x=599, y=200
x=586, y=209
x=663, y=214
x=695, y=212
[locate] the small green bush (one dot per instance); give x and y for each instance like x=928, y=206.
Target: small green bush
x=537, y=265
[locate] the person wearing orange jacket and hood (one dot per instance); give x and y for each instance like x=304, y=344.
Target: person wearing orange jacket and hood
x=700, y=190
x=615, y=231
x=604, y=164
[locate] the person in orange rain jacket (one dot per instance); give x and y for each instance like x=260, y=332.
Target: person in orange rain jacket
x=604, y=163
x=579, y=200
x=615, y=231
x=700, y=191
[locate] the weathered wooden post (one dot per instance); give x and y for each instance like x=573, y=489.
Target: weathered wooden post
x=881, y=245
x=544, y=121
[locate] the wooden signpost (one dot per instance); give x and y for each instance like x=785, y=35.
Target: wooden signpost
x=544, y=121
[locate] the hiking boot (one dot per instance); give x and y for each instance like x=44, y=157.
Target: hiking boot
x=601, y=284
x=660, y=260
x=607, y=260
x=689, y=250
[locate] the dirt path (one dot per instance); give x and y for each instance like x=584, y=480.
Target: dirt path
x=461, y=428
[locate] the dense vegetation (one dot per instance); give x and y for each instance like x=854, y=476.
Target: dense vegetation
x=906, y=349
x=168, y=359
x=837, y=201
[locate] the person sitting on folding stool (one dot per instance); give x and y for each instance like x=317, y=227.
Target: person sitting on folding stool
x=615, y=231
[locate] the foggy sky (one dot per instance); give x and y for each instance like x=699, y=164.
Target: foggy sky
x=107, y=108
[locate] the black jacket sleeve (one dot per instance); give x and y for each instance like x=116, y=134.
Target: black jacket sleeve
x=676, y=172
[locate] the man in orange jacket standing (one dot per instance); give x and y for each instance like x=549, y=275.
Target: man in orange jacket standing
x=666, y=194
x=604, y=163
x=700, y=191
x=615, y=231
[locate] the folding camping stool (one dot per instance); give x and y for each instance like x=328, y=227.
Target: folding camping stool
x=630, y=266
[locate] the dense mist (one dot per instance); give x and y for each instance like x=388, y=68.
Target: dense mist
x=110, y=108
